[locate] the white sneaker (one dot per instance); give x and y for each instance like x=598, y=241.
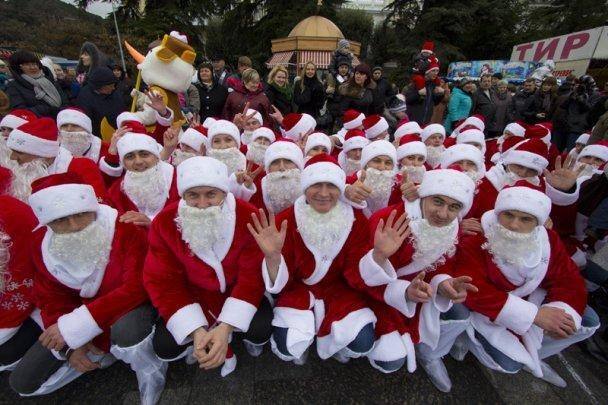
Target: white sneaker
x=341, y=357
x=551, y=376
x=253, y=349
x=437, y=373
x=302, y=360
x=459, y=351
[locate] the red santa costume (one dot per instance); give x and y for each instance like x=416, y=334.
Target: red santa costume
x=542, y=131
x=375, y=127
x=40, y=138
x=433, y=152
x=477, y=121
x=315, y=140
x=9, y=122
x=80, y=144
x=149, y=191
x=199, y=274
x=319, y=254
x=16, y=281
x=246, y=136
x=385, y=184
x=494, y=146
x=87, y=281
x=472, y=136
x=516, y=274
x=430, y=249
x=407, y=128
x=257, y=150
x=195, y=139
x=579, y=144
x=354, y=139
x=411, y=146
x=296, y=125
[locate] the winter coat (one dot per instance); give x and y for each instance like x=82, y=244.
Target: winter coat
x=420, y=108
x=459, y=107
x=212, y=99
x=235, y=103
x=501, y=113
x=99, y=106
x=521, y=107
x=539, y=106
x=357, y=98
x=278, y=99
x=22, y=95
x=600, y=131
x=193, y=101
x=309, y=100
x=483, y=104
x=577, y=108
x=384, y=91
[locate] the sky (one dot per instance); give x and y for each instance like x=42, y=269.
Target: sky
x=100, y=8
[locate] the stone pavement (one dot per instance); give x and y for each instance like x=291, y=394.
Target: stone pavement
x=268, y=380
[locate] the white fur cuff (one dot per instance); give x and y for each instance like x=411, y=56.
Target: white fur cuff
x=443, y=304
x=282, y=277
x=560, y=198
x=162, y=121
x=517, y=314
x=374, y=274
x=78, y=327
x=395, y=296
x=185, y=321
x=237, y=313
x=112, y=171
x=569, y=310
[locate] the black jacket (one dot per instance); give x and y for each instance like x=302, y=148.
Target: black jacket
x=522, y=107
x=212, y=99
x=21, y=95
x=483, y=105
x=99, y=106
x=384, y=91
x=278, y=99
x=310, y=99
x=420, y=108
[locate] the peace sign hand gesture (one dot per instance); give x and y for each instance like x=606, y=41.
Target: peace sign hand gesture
x=419, y=290
x=276, y=115
x=390, y=236
x=562, y=178
x=248, y=176
x=456, y=288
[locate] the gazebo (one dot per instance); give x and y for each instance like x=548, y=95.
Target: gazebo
x=313, y=39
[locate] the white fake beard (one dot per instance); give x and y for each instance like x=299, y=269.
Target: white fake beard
x=282, y=189
x=256, y=152
x=231, y=157
x=147, y=189
x=381, y=183
x=246, y=137
x=511, y=247
x=433, y=155
x=24, y=175
x=322, y=231
x=178, y=156
x=351, y=166
x=86, y=250
x=414, y=173
x=77, y=142
x=589, y=170
x=428, y=239
x=5, y=155
x=473, y=175
x=5, y=256
x=513, y=178
x=200, y=227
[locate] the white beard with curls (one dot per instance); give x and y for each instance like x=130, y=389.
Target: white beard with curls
x=180, y=156
x=433, y=155
x=414, y=173
x=351, y=166
x=5, y=154
x=256, y=152
x=430, y=241
x=24, y=175
x=322, y=230
x=381, y=183
x=588, y=170
x=281, y=189
x=77, y=142
x=200, y=227
x=513, y=178
x=513, y=248
x=231, y=157
x=86, y=250
x=5, y=256
x=148, y=189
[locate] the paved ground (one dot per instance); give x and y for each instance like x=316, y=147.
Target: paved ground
x=269, y=380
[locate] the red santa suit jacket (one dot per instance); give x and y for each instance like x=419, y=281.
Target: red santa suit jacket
x=195, y=289
x=16, y=303
x=82, y=319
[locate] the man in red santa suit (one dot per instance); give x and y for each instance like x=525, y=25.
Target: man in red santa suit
x=427, y=257
x=224, y=141
x=375, y=127
x=317, y=143
x=9, y=122
x=75, y=135
x=580, y=143
x=309, y=251
x=297, y=127
x=532, y=299
x=592, y=158
x=36, y=152
x=88, y=287
x=192, y=142
x=349, y=157
x=411, y=155
x=20, y=325
x=407, y=128
x=261, y=139
x=472, y=136
x=433, y=136
x=148, y=184
x=494, y=146
x=248, y=122
x=202, y=271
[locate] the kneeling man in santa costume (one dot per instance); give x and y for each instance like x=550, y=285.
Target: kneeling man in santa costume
x=532, y=299
x=88, y=287
x=202, y=271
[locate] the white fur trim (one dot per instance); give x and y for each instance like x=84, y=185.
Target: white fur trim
x=517, y=314
x=525, y=159
x=354, y=123
x=376, y=129
x=323, y=172
x=33, y=145
x=202, y=171
x=131, y=142
x=411, y=148
x=343, y=332
x=263, y=132
x=408, y=128
x=185, y=321
x=395, y=296
x=301, y=328
x=374, y=274
x=75, y=117
x=515, y=129
x=356, y=142
x=432, y=129
x=561, y=198
x=463, y=151
x=378, y=148
x=193, y=138
x=229, y=366
x=78, y=327
x=583, y=138
x=569, y=310
x=450, y=183
x=476, y=122
x=256, y=115
x=388, y=347
x=317, y=139
x=12, y=121
x=127, y=116
x=226, y=128
x=112, y=171
x=301, y=127
x=237, y=313
x=283, y=150
x=240, y=191
x=598, y=151
x=282, y=277
x=443, y=304
x=59, y=201
x=524, y=199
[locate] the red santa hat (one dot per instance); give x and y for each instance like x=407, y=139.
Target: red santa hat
x=317, y=139
x=352, y=119
x=470, y=135
x=378, y=148
x=583, y=138
x=407, y=128
x=598, y=150
x=209, y=121
x=295, y=125
x=223, y=127
x=477, y=120
x=125, y=116
x=515, y=129
x=432, y=129
x=37, y=137
x=450, y=183
x=283, y=150
x=133, y=141
x=263, y=132
x=530, y=153
x=460, y=152
x=354, y=139
x=17, y=118
x=428, y=46
x=60, y=195
x=433, y=65
x=193, y=138
x=256, y=115
x=323, y=168
x=524, y=197
x=410, y=145
x=201, y=171
x=74, y=116
x=374, y=125
x=539, y=132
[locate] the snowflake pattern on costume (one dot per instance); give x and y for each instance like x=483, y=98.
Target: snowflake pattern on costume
x=16, y=301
